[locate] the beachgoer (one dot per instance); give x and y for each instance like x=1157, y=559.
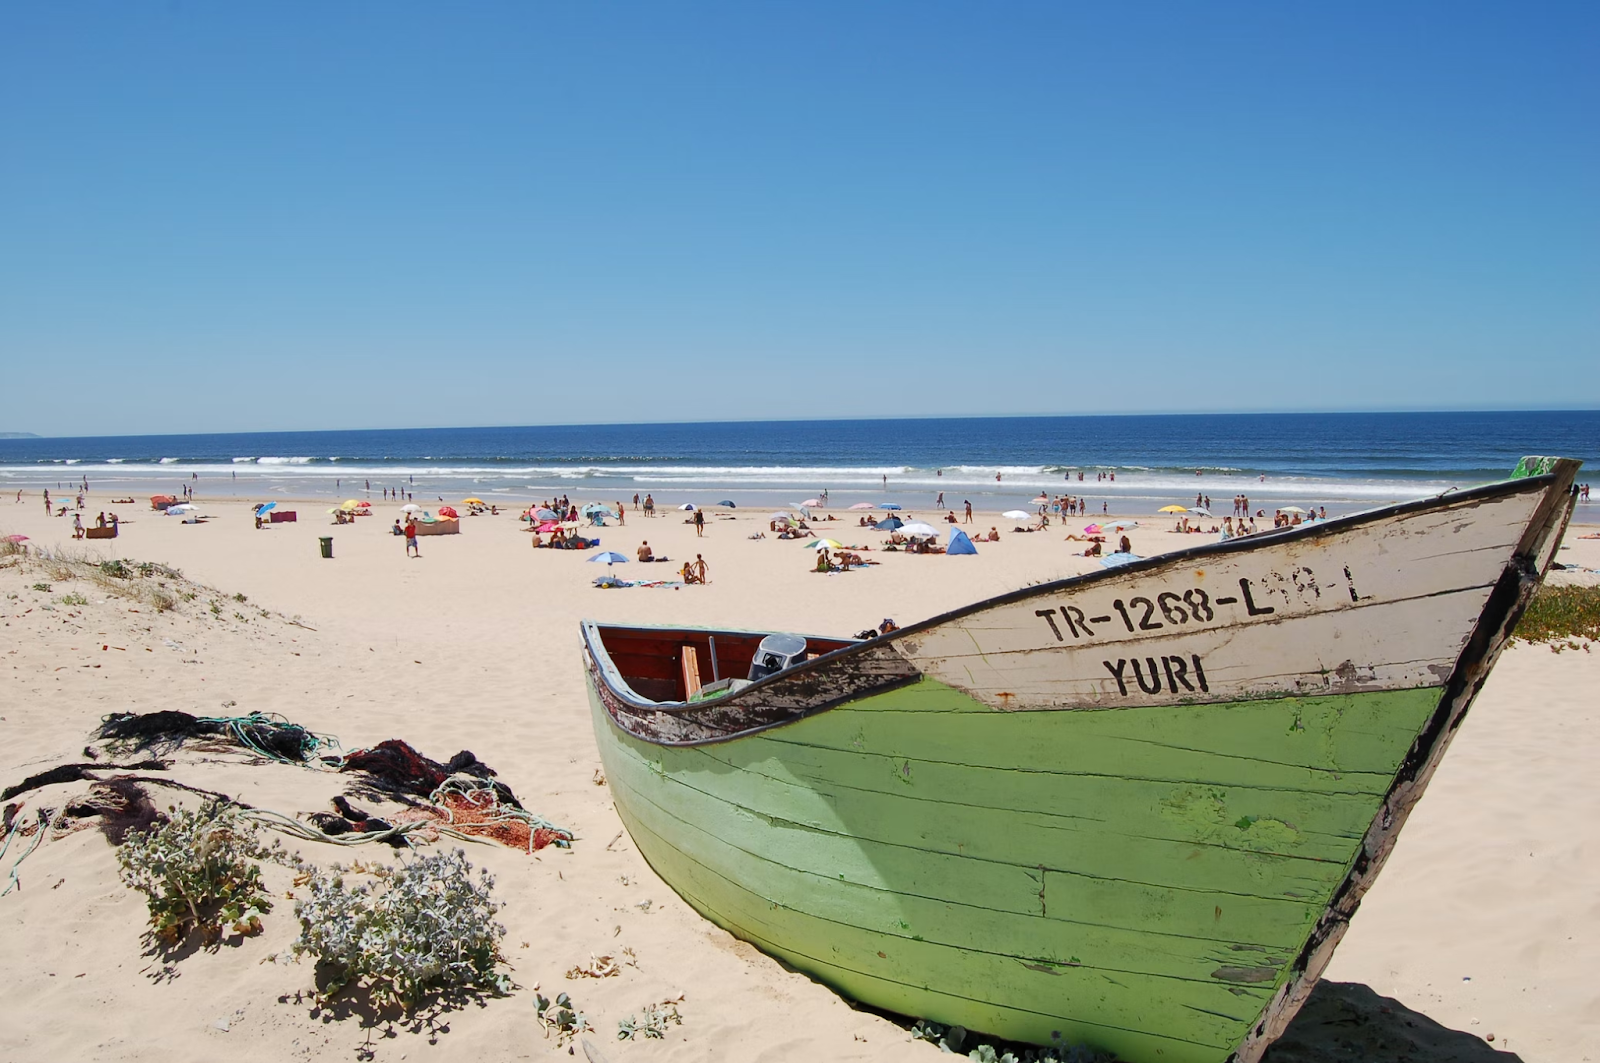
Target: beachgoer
x=938, y=503
x=1124, y=546
x=700, y=570
x=645, y=553
x=412, y=550
x=688, y=573
x=994, y=536
x=699, y=523
x=621, y=514
x=968, y=504
x=77, y=526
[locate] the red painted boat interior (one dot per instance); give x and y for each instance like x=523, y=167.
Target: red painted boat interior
x=651, y=659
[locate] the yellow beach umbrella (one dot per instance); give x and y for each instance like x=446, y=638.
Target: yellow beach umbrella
x=349, y=503
x=472, y=502
x=1173, y=509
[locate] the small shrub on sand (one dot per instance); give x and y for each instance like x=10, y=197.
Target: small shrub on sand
x=197, y=872
x=427, y=926
x=1562, y=614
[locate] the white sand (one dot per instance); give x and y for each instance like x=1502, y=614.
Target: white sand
x=475, y=646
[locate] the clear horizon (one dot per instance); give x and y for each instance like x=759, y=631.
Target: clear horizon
x=293, y=218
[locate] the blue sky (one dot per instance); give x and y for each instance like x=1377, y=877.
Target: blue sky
x=295, y=216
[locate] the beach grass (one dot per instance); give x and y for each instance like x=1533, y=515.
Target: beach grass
x=1562, y=614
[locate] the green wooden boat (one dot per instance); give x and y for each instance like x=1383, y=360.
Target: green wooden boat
x=1134, y=810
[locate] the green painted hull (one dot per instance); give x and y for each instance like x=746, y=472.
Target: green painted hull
x=1140, y=881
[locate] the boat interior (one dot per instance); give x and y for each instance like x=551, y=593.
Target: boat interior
x=683, y=665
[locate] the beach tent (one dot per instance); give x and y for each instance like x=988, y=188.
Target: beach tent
x=959, y=543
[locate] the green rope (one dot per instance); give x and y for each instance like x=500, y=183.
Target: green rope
x=294, y=828
x=45, y=826
x=241, y=726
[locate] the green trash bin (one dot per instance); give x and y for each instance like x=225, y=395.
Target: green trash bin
x=327, y=545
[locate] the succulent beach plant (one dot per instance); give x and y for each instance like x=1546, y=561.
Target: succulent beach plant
x=198, y=872
x=423, y=927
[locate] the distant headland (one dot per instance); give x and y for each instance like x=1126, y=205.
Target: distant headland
x=19, y=435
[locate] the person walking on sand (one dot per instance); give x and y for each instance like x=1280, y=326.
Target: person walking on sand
x=77, y=526
x=412, y=549
x=700, y=570
x=699, y=523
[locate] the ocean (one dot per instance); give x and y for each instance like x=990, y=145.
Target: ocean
x=1343, y=461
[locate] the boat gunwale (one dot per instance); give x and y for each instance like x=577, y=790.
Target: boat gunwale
x=619, y=688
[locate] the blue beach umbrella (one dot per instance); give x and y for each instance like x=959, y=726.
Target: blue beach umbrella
x=728, y=504
x=263, y=507
x=888, y=505
x=890, y=524
x=546, y=514
x=610, y=557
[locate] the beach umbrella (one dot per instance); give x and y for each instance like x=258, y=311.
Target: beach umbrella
x=829, y=544
x=917, y=527
x=610, y=557
x=888, y=505
x=182, y=507
x=1173, y=509
x=263, y=507
x=890, y=524
x=812, y=502
x=16, y=538
x=542, y=514
x=363, y=505
x=335, y=509
x=863, y=505
x=1120, y=525
x=1040, y=500
x=1291, y=509
x=687, y=506
x=448, y=511
x=1092, y=529
x=728, y=504
x=595, y=507
x=1016, y=514
x=409, y=508
x=781, y=515
x=1201, y=510
x=472, y=501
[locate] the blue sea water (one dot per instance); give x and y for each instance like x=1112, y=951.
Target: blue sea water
x=1335, y=459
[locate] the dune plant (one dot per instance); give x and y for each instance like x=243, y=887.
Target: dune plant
x=1562, y=616
x=405, y=932
x=198, y=872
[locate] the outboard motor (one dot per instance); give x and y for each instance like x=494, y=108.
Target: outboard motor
x=776, y=653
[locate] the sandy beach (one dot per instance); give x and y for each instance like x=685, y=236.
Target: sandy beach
x=1482, y=924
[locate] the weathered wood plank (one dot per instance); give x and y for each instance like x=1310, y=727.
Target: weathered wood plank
x=1386, y=606
x=1273, y=921
x=1120, y=999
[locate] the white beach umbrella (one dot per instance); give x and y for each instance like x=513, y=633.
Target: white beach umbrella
x=687, y=506
x=411, y=508
x=917, y=527
x=1291, y=509
x=1016, y=514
